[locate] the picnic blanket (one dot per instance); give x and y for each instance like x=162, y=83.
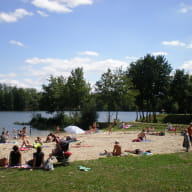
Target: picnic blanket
x=82, y=168
x=24, y=149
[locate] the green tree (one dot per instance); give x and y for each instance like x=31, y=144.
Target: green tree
x=53, y=95
x=115, y=89
x=78, y=89
x=180, y=91
x=151, y=76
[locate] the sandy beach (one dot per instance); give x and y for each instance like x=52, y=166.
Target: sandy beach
x=93, y=144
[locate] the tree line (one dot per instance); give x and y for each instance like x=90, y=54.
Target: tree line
x=147, y=85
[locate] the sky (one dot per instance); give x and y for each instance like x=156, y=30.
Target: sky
x=39, y=38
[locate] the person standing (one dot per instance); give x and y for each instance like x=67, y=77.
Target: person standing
x=186, y=140
x=189, y=129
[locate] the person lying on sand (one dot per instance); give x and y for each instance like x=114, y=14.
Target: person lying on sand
x=26, y=143
x=139, y=152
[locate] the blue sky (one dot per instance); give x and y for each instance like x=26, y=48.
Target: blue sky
x=39, y=38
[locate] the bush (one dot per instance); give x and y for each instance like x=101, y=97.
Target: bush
x=177, y=118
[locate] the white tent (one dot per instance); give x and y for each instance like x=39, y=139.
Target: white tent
x=73, y=129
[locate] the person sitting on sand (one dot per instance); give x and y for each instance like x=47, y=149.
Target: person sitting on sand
x=116, y=150
x=150, y=129
x=50, y=138
x=38, y=140
x=38, y=159
x=140, y=137
x=26, y=144
x=15, y=157
x=37, y=143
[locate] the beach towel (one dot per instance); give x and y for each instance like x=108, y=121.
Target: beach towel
x=19, y=167
x=24, y=149
x=78, y=146
x=82, y=168
x=145, y=141
x=136, y=140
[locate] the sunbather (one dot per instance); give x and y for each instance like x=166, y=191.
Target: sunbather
x=139, y=152
x=116, y=150
x=140, y=137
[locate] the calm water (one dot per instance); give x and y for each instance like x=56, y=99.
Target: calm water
x=7, y=120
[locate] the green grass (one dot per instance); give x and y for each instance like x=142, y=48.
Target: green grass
x=166, y=173
x=138, y=126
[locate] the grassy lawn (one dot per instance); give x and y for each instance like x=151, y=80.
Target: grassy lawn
x=167, y=172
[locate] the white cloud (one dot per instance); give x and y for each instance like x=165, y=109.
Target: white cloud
x=177, y=44
x=132, y=58
x=14, y=16
x=9, y=75
x=37, y=70
x=75, y=3
x=159, y=53
x=89, y=53
x=55, y=66
x=60, y=6
x=43, y=14
x=102, y=66
x=52, y=6
x=185, y=8
x=187, y=65
x=174, y=43
x=18, y=43
x=189, y=46
x=17, y=83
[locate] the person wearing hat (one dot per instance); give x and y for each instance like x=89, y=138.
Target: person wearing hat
x=189, y=129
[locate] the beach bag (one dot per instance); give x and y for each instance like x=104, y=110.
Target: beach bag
x=48, y=165
x=3, y=162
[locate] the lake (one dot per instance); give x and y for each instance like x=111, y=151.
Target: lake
x=7, y=120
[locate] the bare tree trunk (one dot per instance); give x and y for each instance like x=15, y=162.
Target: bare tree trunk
x=116, y=115
x=109, y=116
x=137, y=116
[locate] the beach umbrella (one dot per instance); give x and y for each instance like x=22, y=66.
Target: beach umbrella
x=73, y=129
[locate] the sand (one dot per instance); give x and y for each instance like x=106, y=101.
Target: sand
x=94, y=144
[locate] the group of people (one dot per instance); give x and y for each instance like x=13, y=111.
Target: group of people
x=117, y=151
x=15, y=156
